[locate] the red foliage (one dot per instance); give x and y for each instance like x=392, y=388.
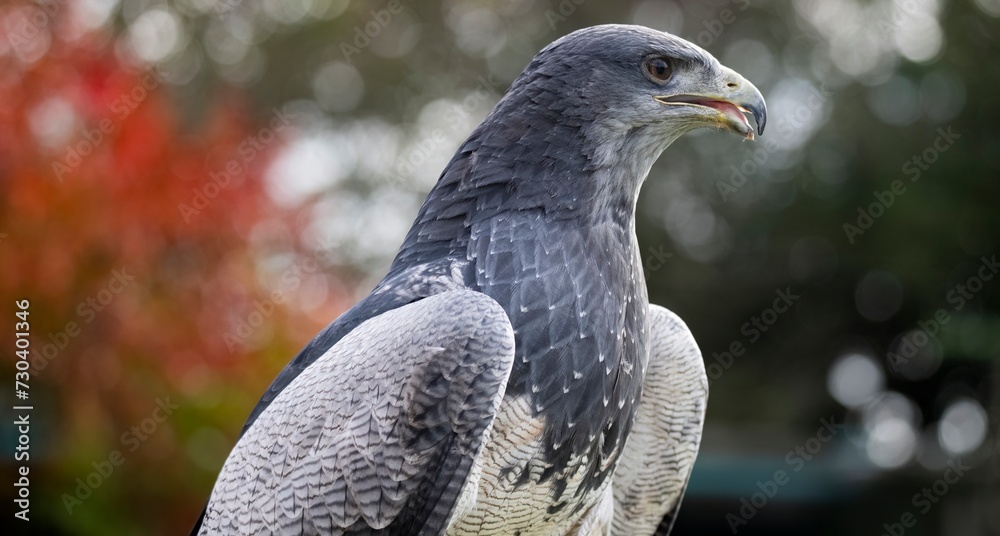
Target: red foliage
x=128, y=234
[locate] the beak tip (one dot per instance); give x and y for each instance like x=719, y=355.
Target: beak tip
x=760, y=115
x=748, y=97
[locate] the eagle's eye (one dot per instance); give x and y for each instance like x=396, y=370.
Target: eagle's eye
x=658, y=68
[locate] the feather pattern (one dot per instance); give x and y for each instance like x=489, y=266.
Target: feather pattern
x=500, y=378
x=367, y=445
x=660, y=453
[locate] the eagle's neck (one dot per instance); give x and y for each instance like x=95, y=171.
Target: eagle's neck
x=622, y=156
x=589, y=173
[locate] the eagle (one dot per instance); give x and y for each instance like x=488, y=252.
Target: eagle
x=508, y=375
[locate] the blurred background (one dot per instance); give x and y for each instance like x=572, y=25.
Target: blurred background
x=191, y=189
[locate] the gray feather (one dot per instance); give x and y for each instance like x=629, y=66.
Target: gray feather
x=660, y=453
x=395, y=414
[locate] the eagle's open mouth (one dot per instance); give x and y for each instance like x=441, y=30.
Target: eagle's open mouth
x=733, y=112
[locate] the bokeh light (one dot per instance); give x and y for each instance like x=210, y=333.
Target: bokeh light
x=855, y=380
x=892, y=422
x=879, y=295
x=963, y=426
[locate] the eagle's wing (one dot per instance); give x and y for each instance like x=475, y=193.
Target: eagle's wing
x=653, y=472
x=382, y=433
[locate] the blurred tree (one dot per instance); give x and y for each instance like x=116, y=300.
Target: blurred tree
x=130, y=234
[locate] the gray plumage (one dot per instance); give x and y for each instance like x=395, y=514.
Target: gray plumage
x=508, y=376
x=660, y=453
x=369, y=434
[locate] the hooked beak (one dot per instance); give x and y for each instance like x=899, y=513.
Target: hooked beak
x=737, y=97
